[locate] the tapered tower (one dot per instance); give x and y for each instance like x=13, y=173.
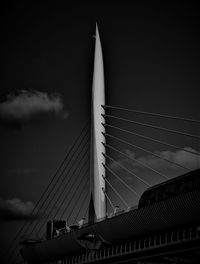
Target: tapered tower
x=98, y=202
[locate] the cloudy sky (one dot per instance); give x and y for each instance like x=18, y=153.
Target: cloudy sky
x=151, y=56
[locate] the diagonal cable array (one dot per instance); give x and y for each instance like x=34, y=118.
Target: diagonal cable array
x=62, y=188
x=117, y=139
x=152, y=126
x=59, y=188
x=58, y=176
x=72, y=186
x=135, y=160
x=115, y=191
x=147, y=151
x=151, y=139
x=130, y=172
x=152, y=114
x=85, y=199
x=79, y=196
x=122, y=181
x=75, y=192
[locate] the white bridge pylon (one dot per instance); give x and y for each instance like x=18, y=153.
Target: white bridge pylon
x=97, y=148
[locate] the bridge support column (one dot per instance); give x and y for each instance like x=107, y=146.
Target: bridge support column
x=97, y=148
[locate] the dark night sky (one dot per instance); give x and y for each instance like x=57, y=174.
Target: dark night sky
x=151, y=57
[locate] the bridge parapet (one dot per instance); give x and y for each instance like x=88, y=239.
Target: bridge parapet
x=171, y=242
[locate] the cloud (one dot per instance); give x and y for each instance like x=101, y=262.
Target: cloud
x=15, y=209
x=27, y=104
x=181, y=157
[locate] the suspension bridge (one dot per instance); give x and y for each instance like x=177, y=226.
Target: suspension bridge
x=109, y=201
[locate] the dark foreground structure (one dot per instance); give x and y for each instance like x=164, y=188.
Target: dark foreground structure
x=165, y=228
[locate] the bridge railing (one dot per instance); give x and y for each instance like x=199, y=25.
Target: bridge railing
x=156, y=241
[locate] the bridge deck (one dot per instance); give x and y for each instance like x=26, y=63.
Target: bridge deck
x=176, y=244
x=165, y=215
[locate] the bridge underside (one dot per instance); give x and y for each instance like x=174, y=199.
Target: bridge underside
x=180, y=245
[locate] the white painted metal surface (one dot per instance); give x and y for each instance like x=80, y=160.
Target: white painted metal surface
x=98, y=99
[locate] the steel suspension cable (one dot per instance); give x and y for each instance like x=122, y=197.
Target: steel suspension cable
x=145, y=150
x=56, y=188
x=81, y=207
x=47, y=189
x=40, y=229
x=152, y=126
x=107, y=197
x=122, y=181
x=151, y=139
x=68, y=204
x=85, y=184
x=130, y=172
x=148, y=151
x=116, y=192
x=152, y=114
x=82, y=177
x=60, y=194
x=133, y=159
x=60, y=218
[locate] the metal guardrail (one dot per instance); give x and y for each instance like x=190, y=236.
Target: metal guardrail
x=134, y=246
